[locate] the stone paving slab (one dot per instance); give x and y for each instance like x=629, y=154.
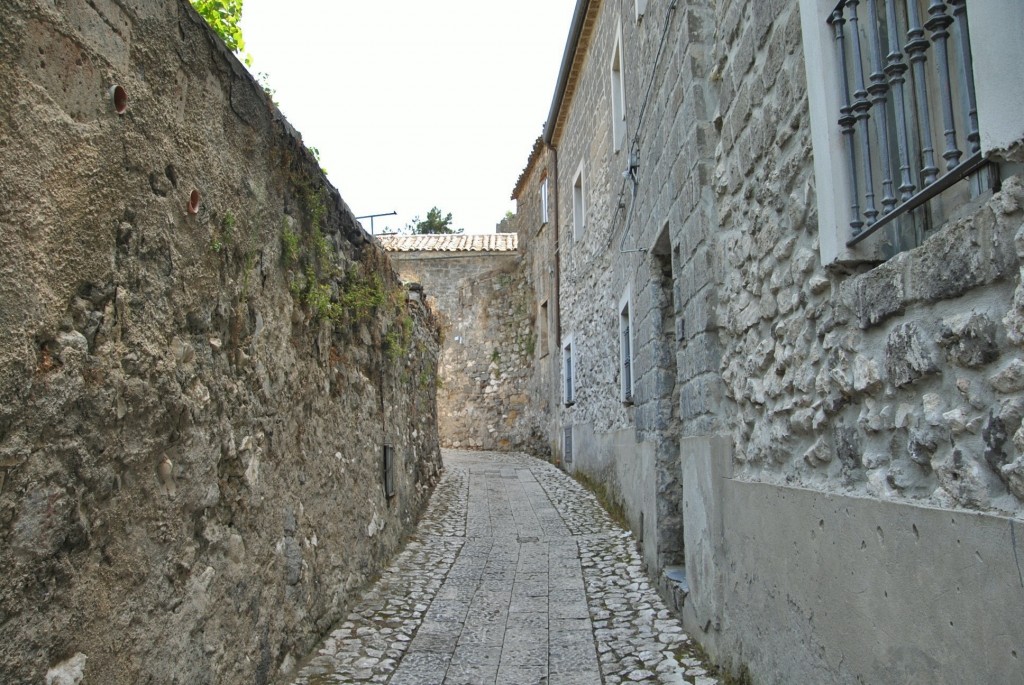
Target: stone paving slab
x=515, y=576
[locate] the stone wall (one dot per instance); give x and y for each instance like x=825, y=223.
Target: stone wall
x=624, y=255
x=805, y=437
x=482, y=301
x=891, y=380
x=193, y=406
x=538, y=245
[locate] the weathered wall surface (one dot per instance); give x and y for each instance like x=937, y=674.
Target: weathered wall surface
x=894, y=382
x=538, y=245
x=482, y=301
x=846, y=434
x=192, y=406
x=623, y=255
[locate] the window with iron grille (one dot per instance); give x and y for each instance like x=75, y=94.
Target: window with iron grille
x=544, y=200
x=618, y=96
x=567, y=445
x=908, y=116
x=542, y=330
x=625, y=351
x=389, y=471
x=579, y=205
x=568, y=387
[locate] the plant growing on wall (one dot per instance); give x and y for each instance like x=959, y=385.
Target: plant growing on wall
x=224, y=17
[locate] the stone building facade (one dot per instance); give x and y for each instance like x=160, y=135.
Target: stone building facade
x=816, y=435
x=206, y=364
x=476, y=287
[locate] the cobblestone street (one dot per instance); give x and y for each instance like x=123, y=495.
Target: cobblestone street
x=515, y=575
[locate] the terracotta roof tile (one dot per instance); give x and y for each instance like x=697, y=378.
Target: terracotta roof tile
x=484, y=242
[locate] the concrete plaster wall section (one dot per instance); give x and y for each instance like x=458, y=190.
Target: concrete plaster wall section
x=203, y=358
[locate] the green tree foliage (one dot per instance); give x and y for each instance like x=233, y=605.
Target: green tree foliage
x=433, y=224
x=224, y=17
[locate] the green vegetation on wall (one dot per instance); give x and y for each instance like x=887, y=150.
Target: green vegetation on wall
x=224, y=17
x=334, y=289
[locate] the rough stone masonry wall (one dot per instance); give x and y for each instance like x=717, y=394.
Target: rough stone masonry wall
x=483, y=302
x=538, y=246
x=899, y=381
x=192, y=406
x=486, y=364
x=592, y=276
x=632, y=447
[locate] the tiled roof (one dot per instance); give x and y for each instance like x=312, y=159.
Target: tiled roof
x=485, y=242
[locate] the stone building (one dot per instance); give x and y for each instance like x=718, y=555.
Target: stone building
x=775, y=249
x=217, y=406
x=476, y=287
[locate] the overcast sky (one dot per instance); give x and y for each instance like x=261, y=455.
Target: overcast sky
x=414, y=103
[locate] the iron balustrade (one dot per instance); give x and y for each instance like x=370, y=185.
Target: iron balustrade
x=928, y=43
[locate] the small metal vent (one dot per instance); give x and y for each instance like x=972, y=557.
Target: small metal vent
x=567, y=445
x=389, y=471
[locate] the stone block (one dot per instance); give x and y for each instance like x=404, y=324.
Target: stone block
x=1009, y=379
x=879, y=293
x=963, y=478
x=996, y=432
x=1013, y=475
x=848, y=446
x=952, y=261
x=969, y=339
x=908, y=355
x=819, y=453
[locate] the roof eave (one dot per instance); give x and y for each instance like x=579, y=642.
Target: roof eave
x=568, y=58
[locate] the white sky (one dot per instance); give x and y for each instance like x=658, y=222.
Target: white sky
x=414, y=103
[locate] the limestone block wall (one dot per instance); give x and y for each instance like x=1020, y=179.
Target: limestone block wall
x=861, y=396
x=193, y=404
x=538, y=247
x=483, y=302
x=890, y=380
x=630, y=252
x=816, y=442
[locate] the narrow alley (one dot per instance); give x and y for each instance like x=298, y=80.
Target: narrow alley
x=515, y=575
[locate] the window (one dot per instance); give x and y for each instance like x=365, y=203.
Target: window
x=542, y=329
x=579, y=206
x=625, y=350
x=901, y=102
x=568, y=381
x=567, y=445
x=640, y=6
x=618, y=96
x=544, y=200
x=389, y=471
